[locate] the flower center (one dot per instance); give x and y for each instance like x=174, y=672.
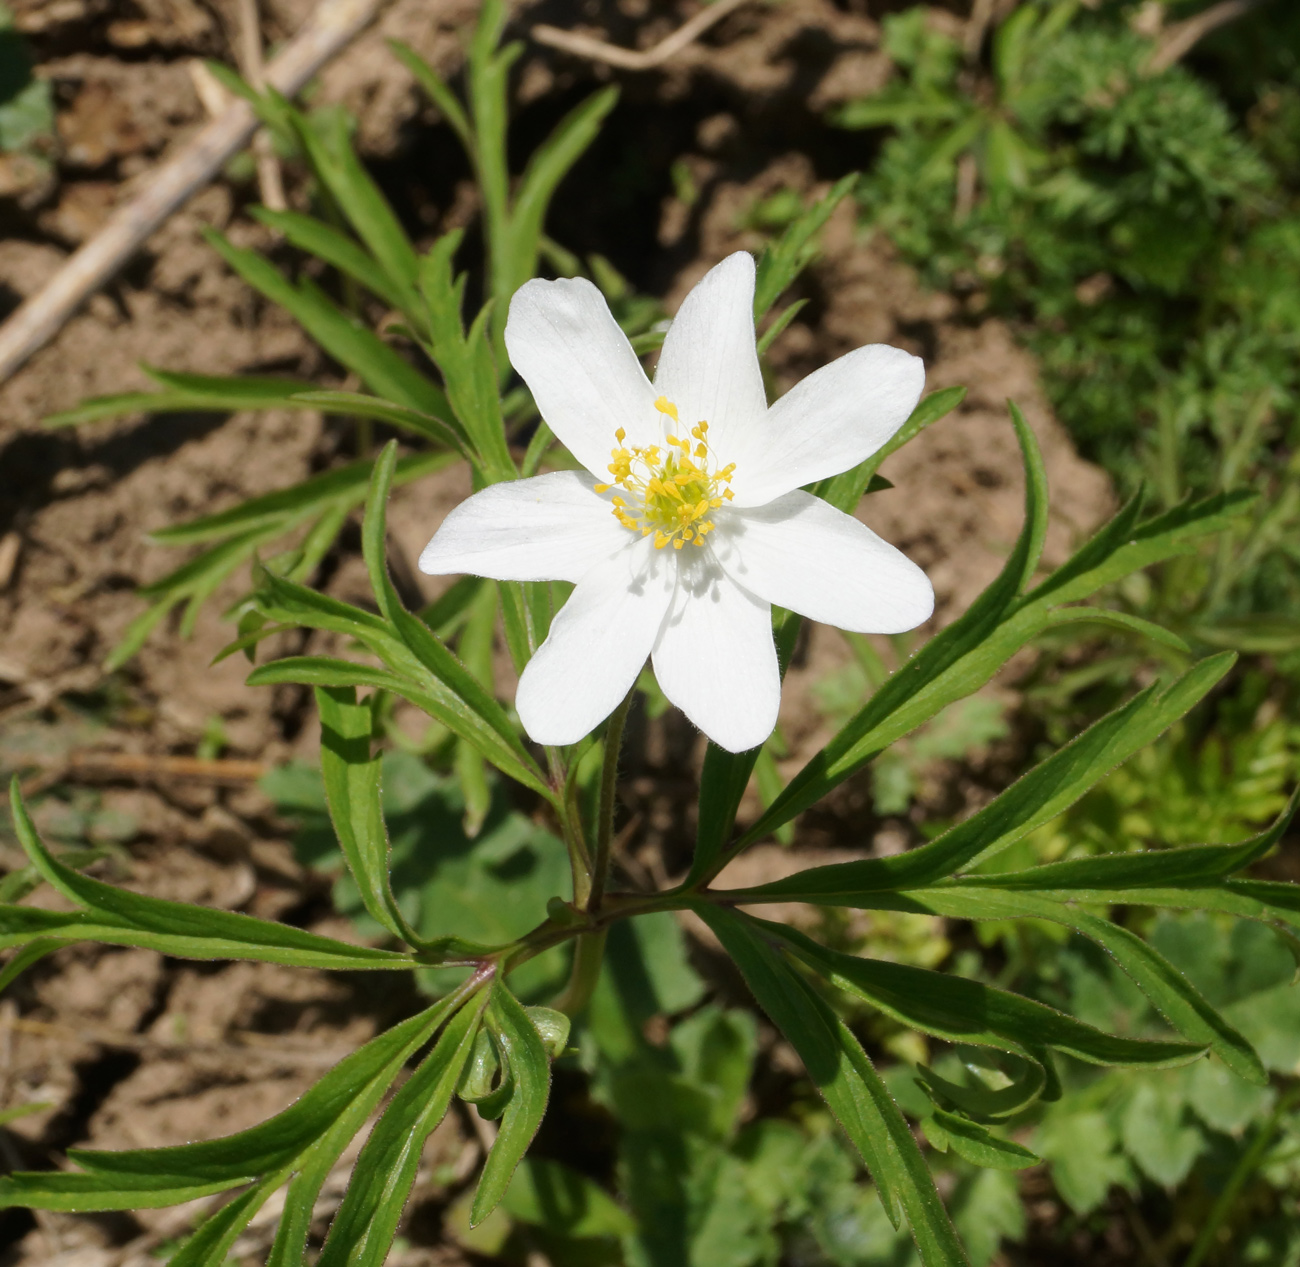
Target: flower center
x=671, y=490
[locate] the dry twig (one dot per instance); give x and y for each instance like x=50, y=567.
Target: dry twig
x=325, y=34
x=1176, y=41
x=270, y=183
x=630, y=59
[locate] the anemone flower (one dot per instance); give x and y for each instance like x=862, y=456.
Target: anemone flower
x=688, y=522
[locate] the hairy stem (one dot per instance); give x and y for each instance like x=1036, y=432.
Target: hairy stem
x=605, y=808
x=588, y=955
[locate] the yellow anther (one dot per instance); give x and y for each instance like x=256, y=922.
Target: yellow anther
x=670, y=488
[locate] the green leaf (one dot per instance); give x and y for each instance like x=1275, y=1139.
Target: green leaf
x=435, y=87
x=964, y=656
x=286, y=507
x=976, y=1143
x=564, y=1202
x=326, y=139
x=381, y=368
x=358, y=1079
x=1035, y=1080
x=177, y=928
x=62, y=1190
x=351, y=774
x=1170, y=992
x=775, y=329
x=328, y=244
x=549, y=164
x=1118, y=550
x=188, y=393
x=355, y=405
x=727, y=774
x=1084, y=1155
x=783, y=260
x=853, y=1091
x=963, y=1011
x=1158, y=1134
x=1156, y=868
x=363, y=1229
x=211, y=1242
x=419, y=668
x=845, y=490
x=465, y=359
x=1119, y=620
x=523, y=1051
x=1036, y=798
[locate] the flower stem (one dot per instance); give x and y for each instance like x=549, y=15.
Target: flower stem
x=1246, y=1166
x=588, y=955
x=605, y=808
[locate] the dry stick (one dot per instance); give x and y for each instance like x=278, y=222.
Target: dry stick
x=1177, y=40
x=629, y=59
x=270, y=183
x=326, y=33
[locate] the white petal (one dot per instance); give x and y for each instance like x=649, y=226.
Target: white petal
x=715, y=658
x=709, y=366
x=598, y=643
x=800, y=552
x=835, y=418
x=549, y=528
x=581, y=369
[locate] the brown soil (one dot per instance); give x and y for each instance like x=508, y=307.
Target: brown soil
x=127, y=1049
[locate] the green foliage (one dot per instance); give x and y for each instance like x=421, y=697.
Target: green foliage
x=1142, y=229
x=26, y=105
x=444, y=855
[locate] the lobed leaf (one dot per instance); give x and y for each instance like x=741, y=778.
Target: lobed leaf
x=1156, y=868
x=382, y=369
x=286, y=507
x=962, y=1011
x=363, y=1229
x=351, y=774
x=523, y=1051
x=961, y=658
x=187, y=393
x=122, y=917
x=1173, y=996
x=328, y=244
x=783, y=260
x=975, y=1143
x=212, y=1240
x=845, y=1078
x=952, y=664
x=1034, y=799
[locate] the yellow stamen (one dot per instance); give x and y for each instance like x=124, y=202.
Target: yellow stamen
x=672, y=487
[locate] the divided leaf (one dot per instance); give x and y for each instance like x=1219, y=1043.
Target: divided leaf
x=844, y=1076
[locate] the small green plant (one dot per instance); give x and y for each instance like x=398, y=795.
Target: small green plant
x=479, y=858
x=1141, y=228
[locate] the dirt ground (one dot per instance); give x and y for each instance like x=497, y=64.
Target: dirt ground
x=124, y=1048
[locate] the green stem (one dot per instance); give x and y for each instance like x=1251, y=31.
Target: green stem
x=1245, y=1167
x=605, y=808
x=588, y=955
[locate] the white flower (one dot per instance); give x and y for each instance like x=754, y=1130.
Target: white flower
x=691, y=523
